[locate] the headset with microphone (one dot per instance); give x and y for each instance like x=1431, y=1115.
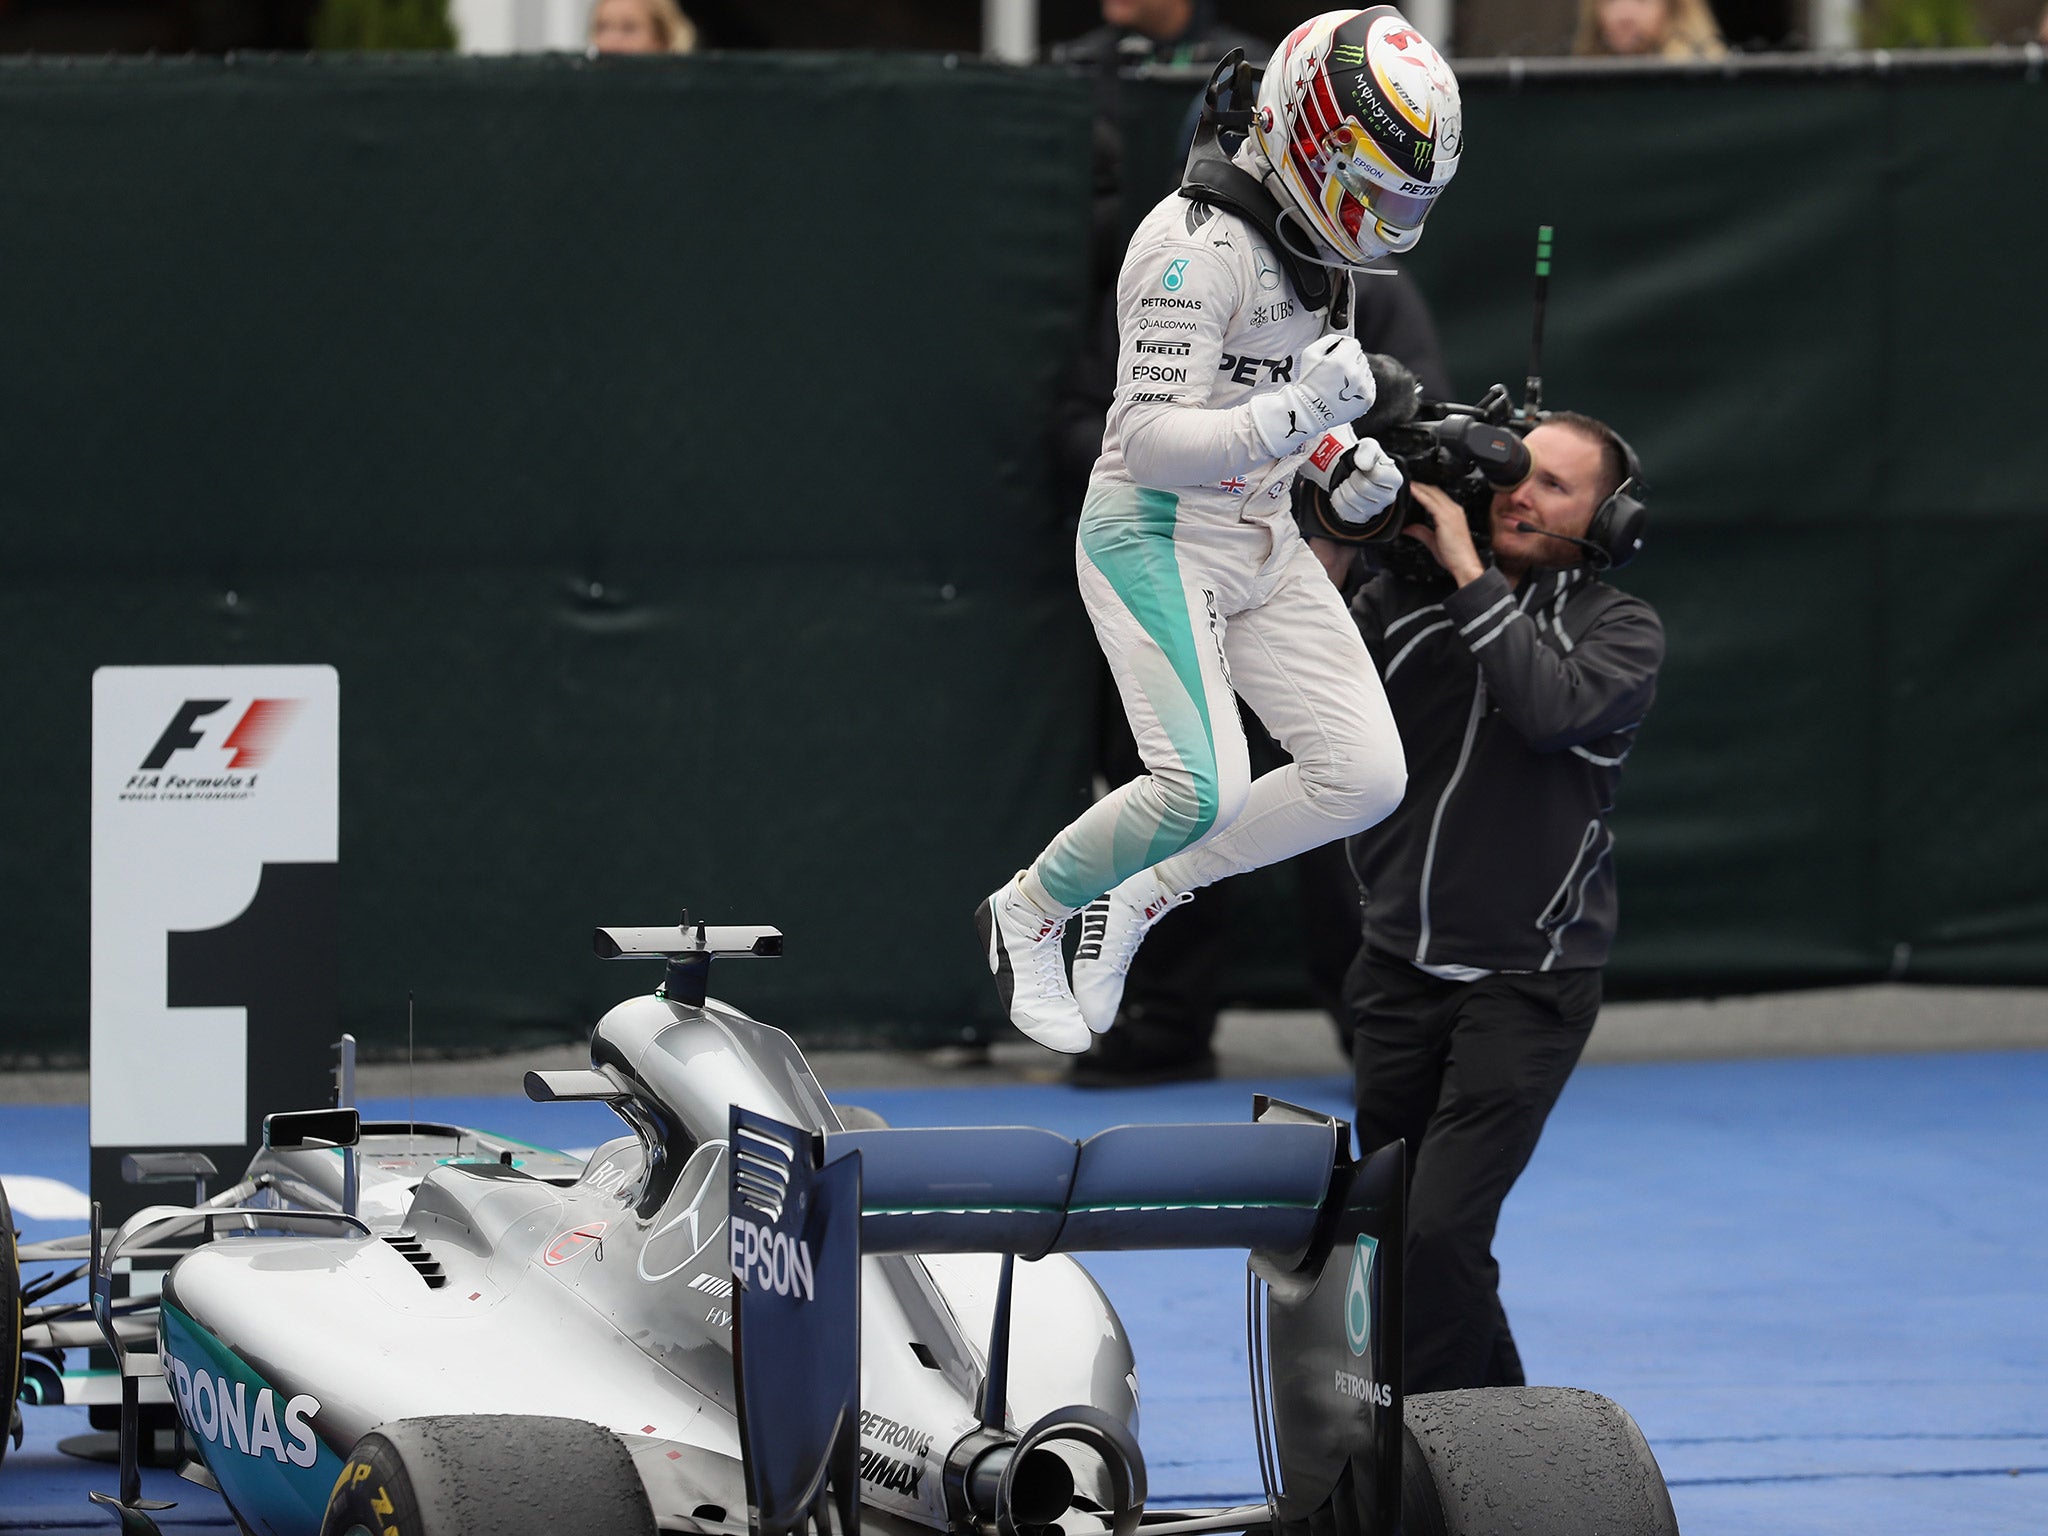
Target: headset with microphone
x=1615, y=535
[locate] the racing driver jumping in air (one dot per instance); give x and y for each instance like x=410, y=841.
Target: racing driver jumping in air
x=1235, y=372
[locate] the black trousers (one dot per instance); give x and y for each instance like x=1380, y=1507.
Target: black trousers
x=1466, y=1074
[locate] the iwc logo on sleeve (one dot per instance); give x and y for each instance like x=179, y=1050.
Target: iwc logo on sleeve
x=1358, y=1296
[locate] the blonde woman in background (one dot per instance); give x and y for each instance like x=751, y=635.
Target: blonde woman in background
x=1671, y=29
x=640, y=26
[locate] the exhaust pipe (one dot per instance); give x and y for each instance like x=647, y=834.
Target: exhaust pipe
x=1019, y=1484
x=1041, y=1488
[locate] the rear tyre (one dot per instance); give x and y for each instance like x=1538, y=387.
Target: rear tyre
x=858, y=1117
x=488, y=1474
x=1540, y=1461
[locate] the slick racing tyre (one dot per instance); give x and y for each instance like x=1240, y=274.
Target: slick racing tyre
x=858, y=1117
x=10, y=1327
x=1538, y=1461
x=488, y=1474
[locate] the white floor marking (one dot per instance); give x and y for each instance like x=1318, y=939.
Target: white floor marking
x=42, y=1199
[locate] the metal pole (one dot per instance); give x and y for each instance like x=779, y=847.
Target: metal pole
x=1009, y=30
x=1434, y=19
x=1834, y=24
x=346, y=1099
x=995, y=1387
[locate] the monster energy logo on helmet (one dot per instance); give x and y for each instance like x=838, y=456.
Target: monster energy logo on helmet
x=1358, y=1295
x=1425, y=151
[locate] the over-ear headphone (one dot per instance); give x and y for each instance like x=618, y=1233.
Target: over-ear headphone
x=1620, y=521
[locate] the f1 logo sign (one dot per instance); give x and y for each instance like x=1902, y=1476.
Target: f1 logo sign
x=251, y=740
x=215, y=798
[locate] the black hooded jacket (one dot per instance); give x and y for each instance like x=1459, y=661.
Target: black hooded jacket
x=1516, y=708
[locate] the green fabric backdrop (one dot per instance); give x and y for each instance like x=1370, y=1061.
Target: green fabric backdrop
x=1814, y=306
x=656, y=451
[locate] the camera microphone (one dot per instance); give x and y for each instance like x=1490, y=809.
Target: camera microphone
x=1599, y=557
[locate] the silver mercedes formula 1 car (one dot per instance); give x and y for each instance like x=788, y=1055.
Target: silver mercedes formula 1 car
x=752, y=1314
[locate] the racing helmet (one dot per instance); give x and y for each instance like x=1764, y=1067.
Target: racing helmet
x=1359, y=118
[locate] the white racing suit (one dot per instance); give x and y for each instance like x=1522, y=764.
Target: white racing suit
x=1198, y=583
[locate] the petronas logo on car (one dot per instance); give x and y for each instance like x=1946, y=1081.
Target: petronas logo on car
x=1358, y=1296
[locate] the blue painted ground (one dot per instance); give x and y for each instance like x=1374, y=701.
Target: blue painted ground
x=1818, y=1284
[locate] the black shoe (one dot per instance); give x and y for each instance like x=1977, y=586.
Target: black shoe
x=1125, y=1059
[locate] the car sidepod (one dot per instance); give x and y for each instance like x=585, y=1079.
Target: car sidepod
x=257, y=1439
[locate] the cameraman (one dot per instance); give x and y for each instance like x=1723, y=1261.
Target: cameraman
x=1517, y=682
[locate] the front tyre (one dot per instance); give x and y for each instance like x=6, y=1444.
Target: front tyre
x=10, y=1328
x=1538, y=1461
x=488, y=1474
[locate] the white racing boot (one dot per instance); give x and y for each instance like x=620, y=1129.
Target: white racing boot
x=1023, y=949
x=1112, y=928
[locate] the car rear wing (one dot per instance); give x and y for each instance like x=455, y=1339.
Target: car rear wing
x=1015, y=1189
x=1323, y=1232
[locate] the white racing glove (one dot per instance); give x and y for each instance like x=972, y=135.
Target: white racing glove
x=1356, y=474
x=1333, y=385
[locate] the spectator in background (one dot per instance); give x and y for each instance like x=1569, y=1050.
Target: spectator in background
x=1178, y=990
x=1166, y=1028
x=1189, y=490
x=1156, y=32
x=1670, y=29
x=1133, y=32
x=640, y=26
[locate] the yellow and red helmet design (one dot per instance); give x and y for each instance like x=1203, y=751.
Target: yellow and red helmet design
x=1358, y=115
